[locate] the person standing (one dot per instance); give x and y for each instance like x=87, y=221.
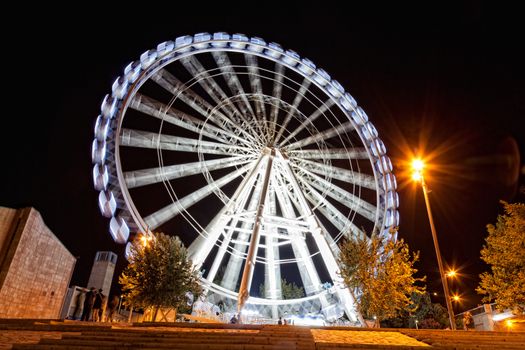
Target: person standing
x=97, y=306
x=79, y=305
x=112, y=307
x=88, y=304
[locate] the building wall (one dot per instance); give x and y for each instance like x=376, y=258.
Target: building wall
x=7, y=225
x=36, y=268
x=102, y=271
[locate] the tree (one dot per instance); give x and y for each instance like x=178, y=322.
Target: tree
x=381, y=275
x=428, y=314
x=159, y=274
x=289, y=290
x=504, y=252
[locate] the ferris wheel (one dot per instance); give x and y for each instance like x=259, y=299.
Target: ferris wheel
x=256, y=158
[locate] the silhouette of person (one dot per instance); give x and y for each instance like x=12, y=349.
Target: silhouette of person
x=88, y=304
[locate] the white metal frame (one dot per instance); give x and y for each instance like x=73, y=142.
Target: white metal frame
x=286, y=181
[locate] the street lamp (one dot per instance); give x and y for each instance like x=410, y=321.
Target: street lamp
x=417, y=175
x=452, y=273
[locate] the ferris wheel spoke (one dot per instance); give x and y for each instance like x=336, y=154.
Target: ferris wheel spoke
x=194, y=67
x=322, y=136
x=333, y=153
x=170, y=211
x=308, y=122
x=298, y=98
x=226, y=67
x=337, y=173
x=215, y=92
x=171, y=84
x=145, y=139
x=338, y=219
x=158, y=110
x=276, y=93
x=344, y=197
x=255, y=83
x=143, y=177
x=180, y=91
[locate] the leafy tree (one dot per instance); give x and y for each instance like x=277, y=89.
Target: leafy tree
x=381, y=274
x=289, y=290
x=159, y=274
x=428, y=314
x=504, y=252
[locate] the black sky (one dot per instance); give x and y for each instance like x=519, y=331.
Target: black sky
x=448, y=79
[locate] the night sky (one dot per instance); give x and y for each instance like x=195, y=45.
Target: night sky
x=444, y=81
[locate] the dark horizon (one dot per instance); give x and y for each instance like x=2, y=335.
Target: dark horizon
x=446, y=81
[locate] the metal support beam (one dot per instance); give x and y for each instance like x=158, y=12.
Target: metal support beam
x=246, y=281
x=343, y=293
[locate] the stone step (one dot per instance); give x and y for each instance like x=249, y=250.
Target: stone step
x=198, y=325
x=339, y=346
x=178, y=339
x=50, y=328
x=59, y=345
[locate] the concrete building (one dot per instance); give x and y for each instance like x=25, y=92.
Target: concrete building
x=101, y=277
x=35, y=267
x=102, y=271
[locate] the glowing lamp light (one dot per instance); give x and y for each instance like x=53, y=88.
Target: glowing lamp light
x=417, y=165
x=456, y=297
x=452, y=273
x=417, y=176
x=417, y=169
x=144, y=240
x=508, y=323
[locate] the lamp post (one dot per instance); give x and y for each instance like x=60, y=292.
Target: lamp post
x=417, y=175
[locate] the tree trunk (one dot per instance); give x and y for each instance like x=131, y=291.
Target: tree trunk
x=155, y=314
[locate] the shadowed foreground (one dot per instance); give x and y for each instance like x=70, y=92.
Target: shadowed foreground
x=50, y=334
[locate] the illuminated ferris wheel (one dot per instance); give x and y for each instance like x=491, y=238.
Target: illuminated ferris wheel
x=256, y=158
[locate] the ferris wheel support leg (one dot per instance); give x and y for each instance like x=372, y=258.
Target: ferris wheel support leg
x=307, y=271
x=328, y=257
x=272, y=275
x=233, y=269
x=241, y=202
x=342, y=291
x=246, y=281
x=201, y=247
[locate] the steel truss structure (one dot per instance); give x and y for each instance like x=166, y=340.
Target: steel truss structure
x=255, y=157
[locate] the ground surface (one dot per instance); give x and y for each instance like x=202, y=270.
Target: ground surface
x=32, y=334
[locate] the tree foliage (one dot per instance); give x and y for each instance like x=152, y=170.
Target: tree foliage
x=504, y=252
x=381, y=275
x=290, y=290
x=428, y=314
x=159, y=274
